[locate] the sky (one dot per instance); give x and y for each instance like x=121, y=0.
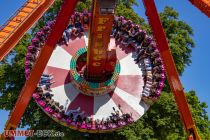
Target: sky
x=195, y=77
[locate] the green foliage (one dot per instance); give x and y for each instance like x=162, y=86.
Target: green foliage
x=128, y=3
x=160, y=122
x=199, y=114
x=179, y=35
x=12, y=74
x=86, y=5
x=128, y=13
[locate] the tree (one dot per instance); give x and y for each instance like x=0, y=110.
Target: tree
x=179, y=35
x=160, y=122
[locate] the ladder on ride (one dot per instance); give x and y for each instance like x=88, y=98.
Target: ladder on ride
x=14, y=29
x=203, y=5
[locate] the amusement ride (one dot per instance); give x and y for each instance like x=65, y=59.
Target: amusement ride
x=93, y=71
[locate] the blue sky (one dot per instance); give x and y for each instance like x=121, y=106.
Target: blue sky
x=195, y=77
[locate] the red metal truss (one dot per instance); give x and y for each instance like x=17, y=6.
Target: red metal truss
x=170, y=67
x=14, y=29
x=203, y=5
x=99, y=40
x=30, y=85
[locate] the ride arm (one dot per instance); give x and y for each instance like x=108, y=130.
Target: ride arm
x=22, y=102
x=170, y=67
x=100, y=30
x=203, y=5
x=14, y=29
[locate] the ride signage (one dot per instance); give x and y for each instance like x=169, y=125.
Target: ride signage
x=100, y=31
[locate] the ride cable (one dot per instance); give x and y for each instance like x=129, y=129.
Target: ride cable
x=14, y=29
x=170, y=67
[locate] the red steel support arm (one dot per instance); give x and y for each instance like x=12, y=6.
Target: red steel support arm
x=100, y=29
x=202, y=5
x=30, y=85
x=170, y=67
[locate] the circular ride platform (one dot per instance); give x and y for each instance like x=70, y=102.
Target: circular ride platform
x=70, y=106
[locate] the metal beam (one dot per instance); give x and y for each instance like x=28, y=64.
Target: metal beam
x=202, y=5
x=99, y=38
x=41, y=62
x=20, y=23
x=170, y=67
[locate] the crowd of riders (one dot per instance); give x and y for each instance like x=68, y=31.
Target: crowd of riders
x=78, y=117
x=125, y=32
x=131, y=35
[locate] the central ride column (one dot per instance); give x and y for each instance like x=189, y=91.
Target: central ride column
x=99, y=38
